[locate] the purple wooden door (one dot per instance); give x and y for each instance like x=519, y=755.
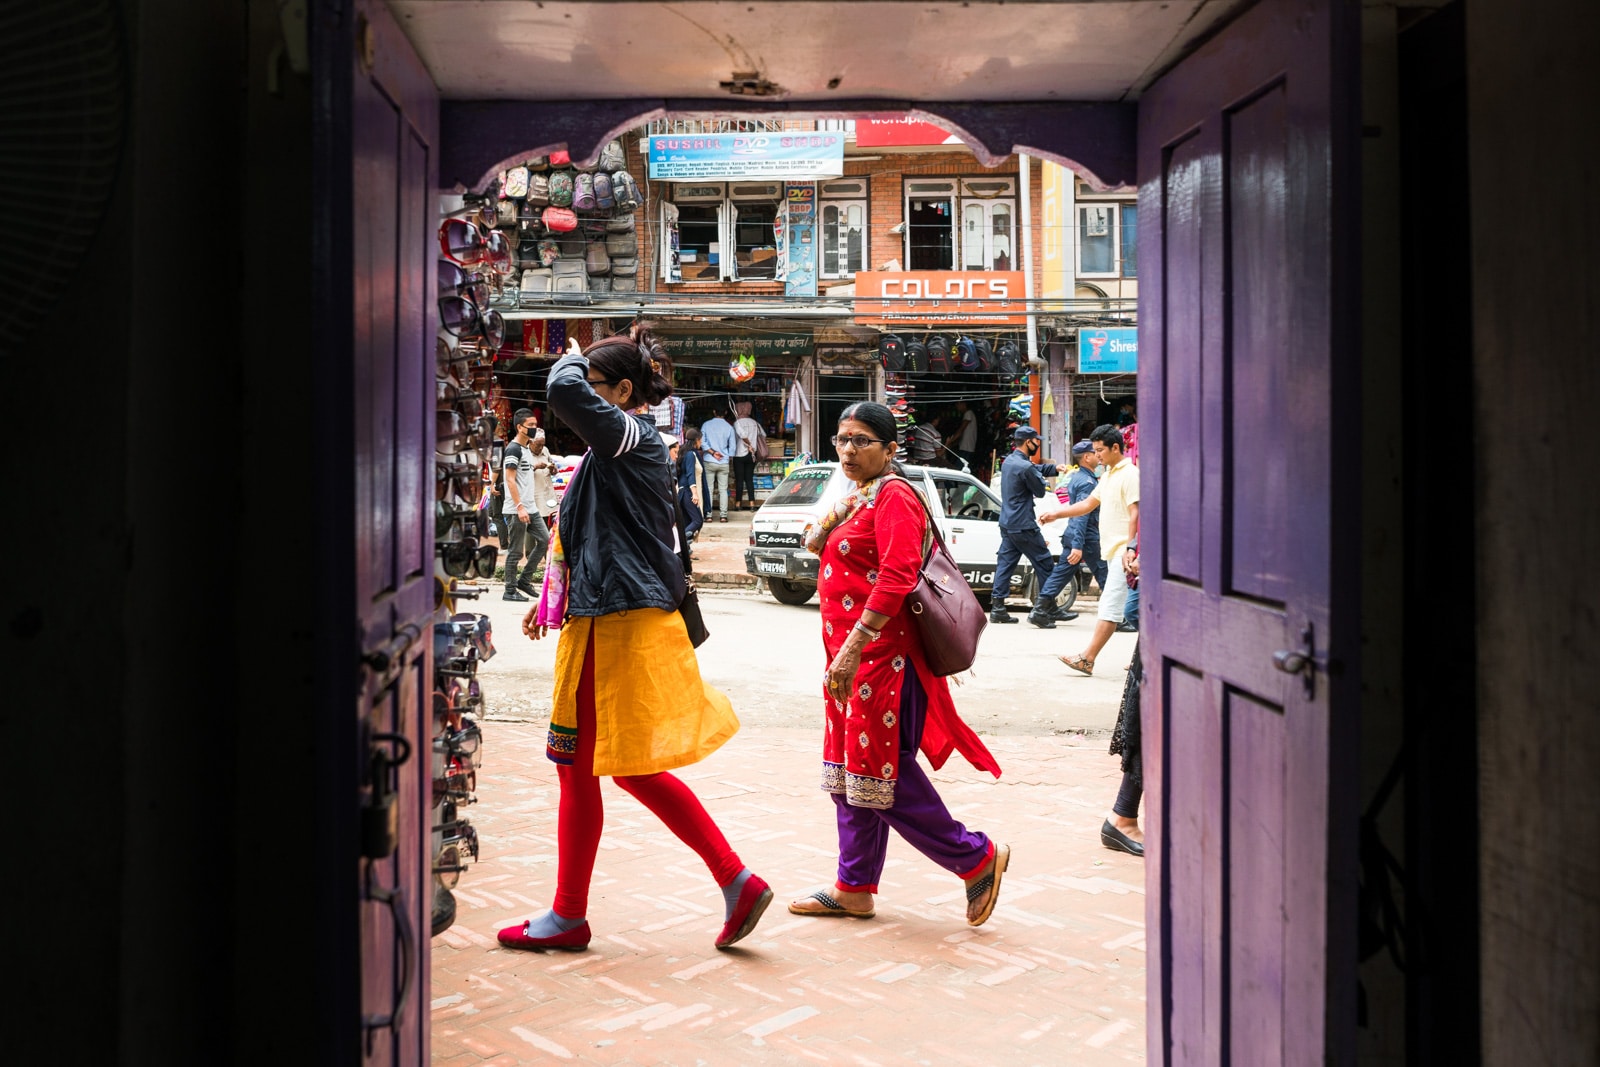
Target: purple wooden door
x=394, y=128
x=1247, y=395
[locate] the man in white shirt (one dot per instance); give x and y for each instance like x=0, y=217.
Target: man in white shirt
x=964, y=441
x=748, y=431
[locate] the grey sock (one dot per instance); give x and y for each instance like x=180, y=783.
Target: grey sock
x=550, y=924
x=730, y=892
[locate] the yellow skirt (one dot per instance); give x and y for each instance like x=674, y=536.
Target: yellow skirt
x=653, y=712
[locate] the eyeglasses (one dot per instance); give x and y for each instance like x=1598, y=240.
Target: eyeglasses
x=466, y=479
x=451, y=397
x=603, y=381
x=465, y=555
x=464, y=319
x=462, y=241
x=453, y=522
x=856, y=441
x=452, y=433
x=453, y=281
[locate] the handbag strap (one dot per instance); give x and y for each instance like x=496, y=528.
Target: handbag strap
x=930, y=535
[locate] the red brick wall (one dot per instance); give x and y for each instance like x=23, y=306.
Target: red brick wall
x=884, y=210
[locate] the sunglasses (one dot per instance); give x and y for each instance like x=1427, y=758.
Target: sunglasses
x=453, y=433
x=463, y=479
x=453, y=281
x=467, y=556
x=467, y=742
x=479, y=630
x=469, y=321
x=454, y=522
x=449, y=396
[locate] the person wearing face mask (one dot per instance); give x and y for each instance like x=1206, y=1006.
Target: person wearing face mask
x=1080, y=542
x=1021, y=483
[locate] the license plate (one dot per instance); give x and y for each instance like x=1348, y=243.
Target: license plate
x=771, y=566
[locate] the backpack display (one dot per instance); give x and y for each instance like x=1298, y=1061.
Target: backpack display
x=939, y=354
x=602, y=191
x=625, y=190
x=572, y=244
x=916, y=357
x=892, y=353
x=612, y=157
x=538, y=164
x=536, y=283
x=985, y=354
x=570, y=284
x=516, y=184
x=561, y=158
x=621, y=224
x=583, y=192
x=596, y=259
x=622, y=244
x=623, y=285
x=538, y=189
x=1007, y=360
x=966, y=354
x=625, y=265
x=505, y=213
x=561, y=188
x=549, y=251
x=602, y=284
x=560, y=219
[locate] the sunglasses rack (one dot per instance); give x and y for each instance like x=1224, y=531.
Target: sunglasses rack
x=475, y=266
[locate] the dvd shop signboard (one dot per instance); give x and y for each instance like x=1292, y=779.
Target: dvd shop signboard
x=979, y=298
x=710, y=156
x=1108, y=351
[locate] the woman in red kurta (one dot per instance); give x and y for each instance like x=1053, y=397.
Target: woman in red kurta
x=882, y=702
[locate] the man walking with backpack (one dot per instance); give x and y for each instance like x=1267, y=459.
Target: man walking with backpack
x=1021, y=483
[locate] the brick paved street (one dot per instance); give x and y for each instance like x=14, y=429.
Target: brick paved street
x=1055, y=977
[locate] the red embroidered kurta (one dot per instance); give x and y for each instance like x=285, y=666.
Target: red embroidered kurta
x=870, y=563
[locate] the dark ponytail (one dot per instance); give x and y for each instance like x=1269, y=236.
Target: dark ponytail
x=636, y=357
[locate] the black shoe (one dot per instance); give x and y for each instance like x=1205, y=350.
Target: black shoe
x=1000, y=616
x=512, y=594
x=1127, y=627
x=1118, y=841
x=1041, y=619
x=527, y=587
x=1062, y=615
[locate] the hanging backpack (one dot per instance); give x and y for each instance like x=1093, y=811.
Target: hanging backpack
x=602, y=284
x=516, y=186
x=539, y=189
x=505, y=213
x=561, y=188
x=622, y=244
x=561, y=158
x=1007, y=360
x=549, y=251
x=627, y=284
x=620, y=224
x=560, y=219
x=570, y=282
x=966, y=354
x=536, y=283
x=583, y=192
x=916, y=357
x=985, y=354
x=892, y=353
x=603, y=198
x=625, y=190
x=612, y=157
x=939, y=354
x=539, y=164
x=596, y=259
x=624, y=265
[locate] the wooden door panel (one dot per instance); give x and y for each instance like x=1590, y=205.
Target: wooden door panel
x=1261, y=508
x=1183, y=387
x=1244, y=360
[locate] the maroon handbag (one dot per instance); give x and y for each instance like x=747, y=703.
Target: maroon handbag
x=945, y=609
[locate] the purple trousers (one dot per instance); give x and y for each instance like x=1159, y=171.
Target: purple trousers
x=918, y=815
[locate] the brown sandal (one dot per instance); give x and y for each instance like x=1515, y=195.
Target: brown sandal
x=1078, y=663
x=822, y=903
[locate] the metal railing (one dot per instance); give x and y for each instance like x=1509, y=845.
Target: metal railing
x=673, y=127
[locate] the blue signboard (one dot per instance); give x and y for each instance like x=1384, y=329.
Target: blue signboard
x=1108, y=351
x=797, y=251
x=709, y=156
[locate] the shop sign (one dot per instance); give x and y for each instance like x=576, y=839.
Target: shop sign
x=1108, y=351
x=1055, y=205
x=726, y=345
x=883, y=133
x=717, y=156
x=797, y=254
x=981, y=298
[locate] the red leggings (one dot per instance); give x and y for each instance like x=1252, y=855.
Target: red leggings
x=581, y=817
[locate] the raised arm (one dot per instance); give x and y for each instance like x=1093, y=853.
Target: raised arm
x=604, y=427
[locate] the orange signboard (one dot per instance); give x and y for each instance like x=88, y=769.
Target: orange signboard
x=979, y=298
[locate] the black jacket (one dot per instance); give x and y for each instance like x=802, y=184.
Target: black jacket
x=619, y=511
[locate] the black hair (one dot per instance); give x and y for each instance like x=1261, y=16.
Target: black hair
x=691, y=434
x=639, y=358
x=879, y=418
x=521, y=416
x=1107, y=435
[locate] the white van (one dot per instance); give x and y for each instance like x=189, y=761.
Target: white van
x=967, y=511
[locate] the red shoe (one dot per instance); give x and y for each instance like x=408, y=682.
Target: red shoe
x=753, y=900
x=574, y=940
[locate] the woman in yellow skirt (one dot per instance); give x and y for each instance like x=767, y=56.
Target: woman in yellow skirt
x=629, y=700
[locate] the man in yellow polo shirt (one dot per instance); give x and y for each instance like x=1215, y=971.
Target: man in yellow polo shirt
x=1117, y=497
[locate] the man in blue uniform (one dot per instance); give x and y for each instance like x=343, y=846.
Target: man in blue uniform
x=1080, y=544
x=1021, y=483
